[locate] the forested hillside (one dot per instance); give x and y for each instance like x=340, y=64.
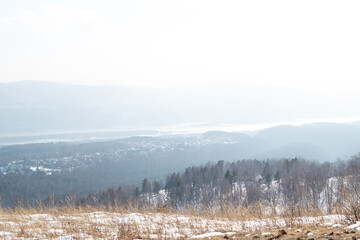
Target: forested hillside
x=32, y=172
x=291, y=185
x=285, y=186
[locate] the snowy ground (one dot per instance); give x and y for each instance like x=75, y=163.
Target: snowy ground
x=110, y=225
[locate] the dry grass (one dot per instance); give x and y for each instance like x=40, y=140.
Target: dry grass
x=120, y=223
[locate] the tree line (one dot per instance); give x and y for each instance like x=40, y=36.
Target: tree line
x=293, y=185
x=277, y=184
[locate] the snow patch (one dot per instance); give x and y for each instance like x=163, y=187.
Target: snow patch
x=356, y=225
x=206, y=235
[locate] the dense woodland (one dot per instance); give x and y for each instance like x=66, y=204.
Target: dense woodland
x=88, y=167
x=287, y=183
x=33, y=172
x=296, y=185
x=154, y=172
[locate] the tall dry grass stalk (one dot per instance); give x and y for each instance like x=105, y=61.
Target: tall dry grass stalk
x=80, y=222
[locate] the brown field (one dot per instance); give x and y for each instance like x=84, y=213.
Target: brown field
x=118, y=223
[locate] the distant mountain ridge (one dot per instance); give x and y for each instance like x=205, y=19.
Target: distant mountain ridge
x=41, y=107
x=45, y=107
x=317, y=140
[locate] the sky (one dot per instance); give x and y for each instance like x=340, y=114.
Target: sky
x=299, y=59
x=306, y=48
x=308, y=45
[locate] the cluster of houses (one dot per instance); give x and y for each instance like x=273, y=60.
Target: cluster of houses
x=15, y=168
x=19, y=168
x=47, y=165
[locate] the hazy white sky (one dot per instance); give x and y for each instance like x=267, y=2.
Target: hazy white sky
x=299, y=44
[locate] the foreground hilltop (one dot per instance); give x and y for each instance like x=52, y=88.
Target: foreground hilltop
x=120, y=224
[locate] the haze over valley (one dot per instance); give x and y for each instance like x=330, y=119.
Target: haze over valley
x=186, y=119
